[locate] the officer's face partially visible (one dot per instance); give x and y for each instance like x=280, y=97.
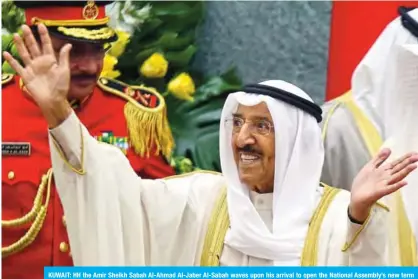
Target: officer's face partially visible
x=86, y=63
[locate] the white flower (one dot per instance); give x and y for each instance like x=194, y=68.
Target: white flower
x=124, y=16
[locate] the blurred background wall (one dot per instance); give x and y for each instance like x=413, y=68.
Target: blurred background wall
x=268, y=40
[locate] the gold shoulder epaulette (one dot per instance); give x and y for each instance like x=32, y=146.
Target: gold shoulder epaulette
x=6, y=78
x=146, y=117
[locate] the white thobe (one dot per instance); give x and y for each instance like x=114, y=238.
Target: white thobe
x=116, y=218
x=346, y=152
x=351, y=139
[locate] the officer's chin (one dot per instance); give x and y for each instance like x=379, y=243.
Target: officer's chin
x=81, y=90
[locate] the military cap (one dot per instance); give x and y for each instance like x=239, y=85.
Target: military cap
x=84, y=21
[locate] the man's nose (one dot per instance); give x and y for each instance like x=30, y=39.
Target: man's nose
x=87, y=64
x=245, y=136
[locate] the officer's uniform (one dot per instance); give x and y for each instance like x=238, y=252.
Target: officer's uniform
x=33, y=223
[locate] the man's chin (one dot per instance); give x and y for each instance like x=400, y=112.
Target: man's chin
x=78, y=91
x=248, y=175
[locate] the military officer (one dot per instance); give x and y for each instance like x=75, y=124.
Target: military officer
x=131, y=117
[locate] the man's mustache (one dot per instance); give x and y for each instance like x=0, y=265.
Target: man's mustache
x=83, y=77
x=250, y=149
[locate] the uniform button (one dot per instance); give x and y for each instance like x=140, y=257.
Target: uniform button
x=63, y=247
x=11, y=175
x=63, y=221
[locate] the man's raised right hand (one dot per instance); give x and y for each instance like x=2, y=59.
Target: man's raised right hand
x=45, y=76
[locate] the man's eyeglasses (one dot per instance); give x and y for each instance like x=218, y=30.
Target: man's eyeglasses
x=260, y=127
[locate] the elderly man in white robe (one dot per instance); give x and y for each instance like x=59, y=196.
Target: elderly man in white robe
x=266, y=208
x=380, y=110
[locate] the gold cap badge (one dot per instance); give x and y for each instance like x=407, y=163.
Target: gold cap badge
x=90, y=11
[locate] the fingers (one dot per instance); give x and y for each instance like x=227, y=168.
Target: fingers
x=400, y=175
x=403, y=162
x=14, y=64
x=27, y=47
x=381, y=157
x=30, y=42
x=392, y=188
x=46, y=40
x=22, y=50
x=64, y=58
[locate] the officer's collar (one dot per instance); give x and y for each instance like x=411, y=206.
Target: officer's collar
x=76, y=104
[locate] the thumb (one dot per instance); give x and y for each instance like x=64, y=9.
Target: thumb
x=381, y=157
x=64, y=58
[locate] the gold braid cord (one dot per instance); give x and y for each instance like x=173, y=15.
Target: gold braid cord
x=98, y=34
x=37, y=215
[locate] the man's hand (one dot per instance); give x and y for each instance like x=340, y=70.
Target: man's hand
x=46, y=79
x=377, y=180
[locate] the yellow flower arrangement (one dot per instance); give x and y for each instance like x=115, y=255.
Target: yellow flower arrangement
x=155, y=66
x=182, y=87
x=108, y=67
x=119, y=46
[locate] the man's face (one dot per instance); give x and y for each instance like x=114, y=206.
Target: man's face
x=86, y=63
x=253, y=146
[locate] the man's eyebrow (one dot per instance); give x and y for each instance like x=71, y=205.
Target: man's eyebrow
x=237, y=115
x=261, y=118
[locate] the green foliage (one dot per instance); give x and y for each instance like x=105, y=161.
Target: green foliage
x=170, y=29
x=182, y=164
x=8, y=45
x=12, y=17
x=6, y=41
x=195, y=125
